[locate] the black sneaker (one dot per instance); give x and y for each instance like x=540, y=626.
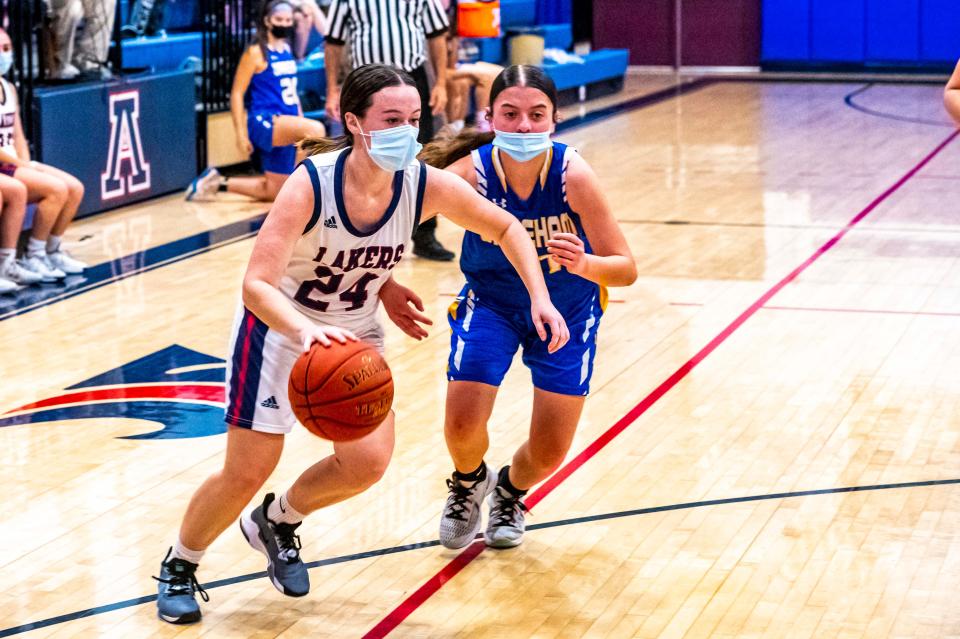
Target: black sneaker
x=281, y=545
x=176, y=601
x=425, y=245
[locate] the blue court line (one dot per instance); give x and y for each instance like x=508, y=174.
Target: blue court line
x=129, y=603
x=849, y=101
x=32, y=298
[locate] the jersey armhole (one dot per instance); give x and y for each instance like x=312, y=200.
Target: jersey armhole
x=481, y=176
x=421, y=189
x=567, y=154
x=317, y=202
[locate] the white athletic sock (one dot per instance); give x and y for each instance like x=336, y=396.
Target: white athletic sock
x=457, y=126
x=36, y=248
x=182, y=552
x=53, y=243
x=281, y=512
x=7, y=254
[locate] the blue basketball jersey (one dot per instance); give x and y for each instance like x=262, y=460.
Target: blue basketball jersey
x=274, y=90
x=489, y=272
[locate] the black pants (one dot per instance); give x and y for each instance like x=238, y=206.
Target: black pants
x=426, y=125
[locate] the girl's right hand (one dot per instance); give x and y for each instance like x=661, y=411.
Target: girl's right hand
x=323, y=334
x=245, y=146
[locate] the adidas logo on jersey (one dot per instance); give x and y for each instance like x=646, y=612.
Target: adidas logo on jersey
x=270, y=402
x=330, y=222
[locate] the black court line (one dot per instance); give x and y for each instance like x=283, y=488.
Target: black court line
x=849, y=101
x=129, y=603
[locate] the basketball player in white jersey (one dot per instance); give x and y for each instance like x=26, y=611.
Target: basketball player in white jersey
x=339, y=225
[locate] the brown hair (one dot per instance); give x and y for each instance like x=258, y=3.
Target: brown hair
x=443, y=153
x=262, y=37
x=356, y=97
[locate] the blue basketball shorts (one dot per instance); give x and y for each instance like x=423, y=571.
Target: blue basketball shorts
x=485, y=339
x=273, y=159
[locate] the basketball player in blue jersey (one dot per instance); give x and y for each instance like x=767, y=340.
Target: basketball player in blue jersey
x=555, y=195
x=266, y=111
x=320, y=265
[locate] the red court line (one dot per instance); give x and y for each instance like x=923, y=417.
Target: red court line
x=415, y=600
x=211, y=393
x=877, y=311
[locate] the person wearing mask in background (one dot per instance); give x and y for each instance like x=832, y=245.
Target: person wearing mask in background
x=57, y=193
x=266, y=111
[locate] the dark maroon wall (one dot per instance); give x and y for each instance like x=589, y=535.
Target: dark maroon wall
x=730, y=37
x=721, y=33
x=643, y=26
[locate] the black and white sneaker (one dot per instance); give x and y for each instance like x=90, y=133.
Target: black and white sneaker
x=176, y=591
x=462, y=513
x=506, y=525
x=281, y=546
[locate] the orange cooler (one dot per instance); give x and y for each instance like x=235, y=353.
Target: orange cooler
x=479, y=19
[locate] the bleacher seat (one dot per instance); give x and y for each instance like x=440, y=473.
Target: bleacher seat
x=518, y=13
x=600, y=73
x=161, y=53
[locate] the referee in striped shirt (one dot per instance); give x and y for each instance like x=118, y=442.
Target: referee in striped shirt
x=400, y=33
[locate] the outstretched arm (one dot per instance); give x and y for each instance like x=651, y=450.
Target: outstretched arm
x=465, y=207
x=951, y=95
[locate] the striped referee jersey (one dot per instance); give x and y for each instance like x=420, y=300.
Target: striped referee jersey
x=386, y=31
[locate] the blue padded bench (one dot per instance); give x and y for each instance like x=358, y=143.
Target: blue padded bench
x=601, y=73
x=517, y=13
x=555, y=36
x=159, y=53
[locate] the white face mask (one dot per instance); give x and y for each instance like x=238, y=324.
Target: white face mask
x=522, y=147
x=6, y=61
x=393, y=149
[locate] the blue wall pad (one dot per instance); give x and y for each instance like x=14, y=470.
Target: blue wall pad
x=940, y=30
x=139, y=136
x=599, y=65
x=488, y=49
x=159, y=53
x=786, y=30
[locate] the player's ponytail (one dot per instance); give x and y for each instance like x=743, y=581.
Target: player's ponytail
x=443, y=153
x=356, y=96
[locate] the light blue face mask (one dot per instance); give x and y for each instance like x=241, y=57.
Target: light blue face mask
x=522, y=146
x=6, y=61
x=393, y=149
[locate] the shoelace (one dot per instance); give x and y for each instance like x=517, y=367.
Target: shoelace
x=458, y=506
x=183, y=583
x=288, y=541
x=506, y=511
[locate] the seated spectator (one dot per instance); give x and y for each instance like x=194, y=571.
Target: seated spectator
x=13, y=207
x=951, y=95
x=89, y=53
x=268, y=117
x=57, y=193
x=462, y=78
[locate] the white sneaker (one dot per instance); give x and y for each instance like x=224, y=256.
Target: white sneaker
x=8, y=286
x=65, y=262
x=461, y=521
x=204, y=187
x=12, y=271
x=42, y=267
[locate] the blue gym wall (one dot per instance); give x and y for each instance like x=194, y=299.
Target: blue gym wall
x=909, y=34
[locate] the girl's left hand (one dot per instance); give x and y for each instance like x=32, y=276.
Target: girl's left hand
x=568, y=251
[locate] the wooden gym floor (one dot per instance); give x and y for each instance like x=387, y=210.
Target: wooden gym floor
x=771, y=448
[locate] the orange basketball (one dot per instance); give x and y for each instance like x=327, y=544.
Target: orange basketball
x=342, y=392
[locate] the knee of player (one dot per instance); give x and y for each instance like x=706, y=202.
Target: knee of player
x=59, y=193
x=363, y=474
x=462, y=426
x=75, y=188
x=247, y=479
